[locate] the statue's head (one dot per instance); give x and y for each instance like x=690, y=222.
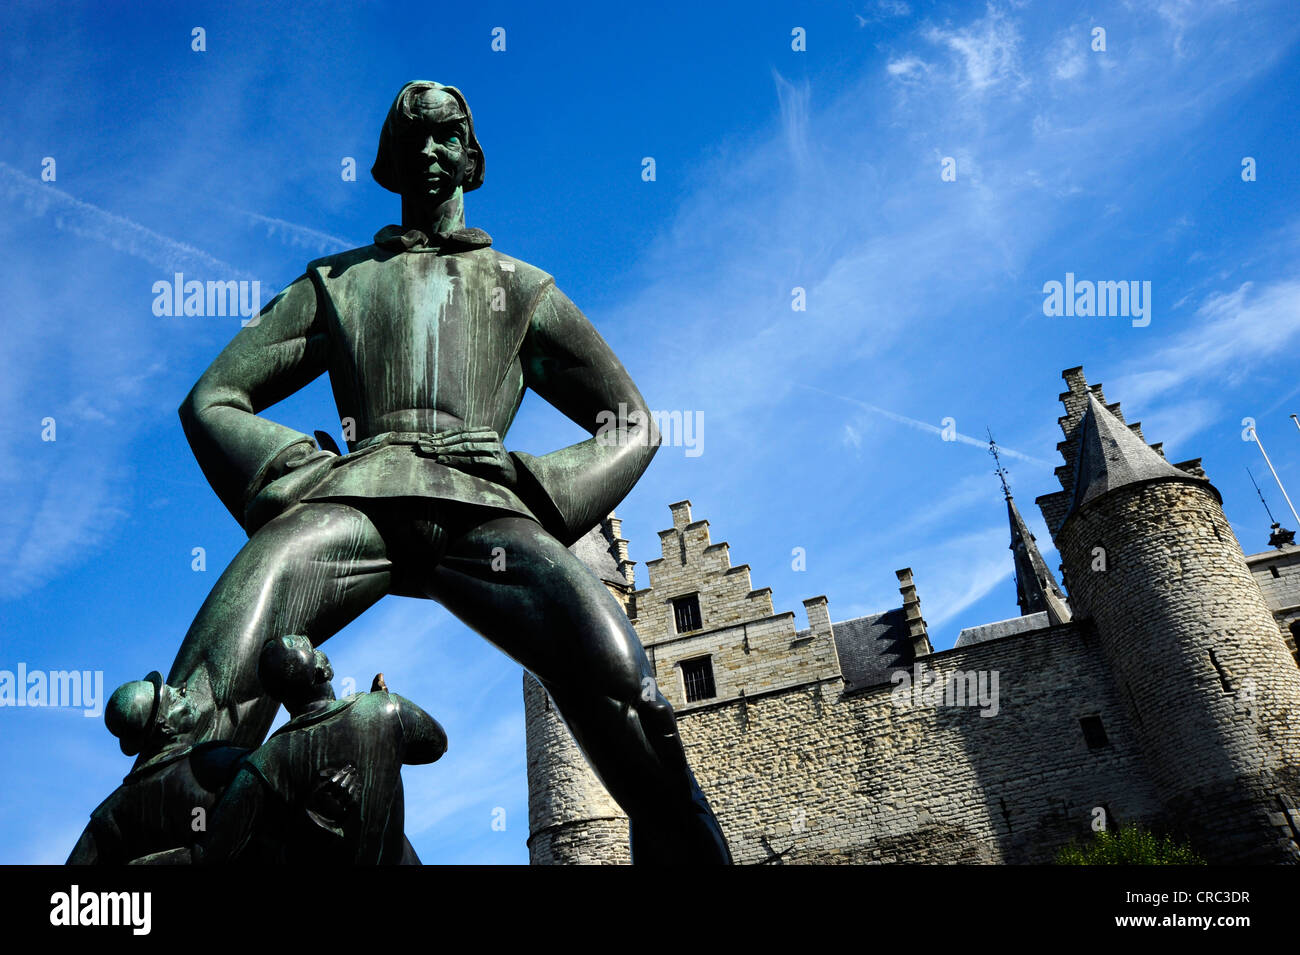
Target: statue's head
x=146, y=715
x=293, y=672
x=427, y=148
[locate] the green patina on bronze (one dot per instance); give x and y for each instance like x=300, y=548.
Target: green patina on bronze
x=431, y=337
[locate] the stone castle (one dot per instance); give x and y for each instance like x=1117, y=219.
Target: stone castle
x=1164, y=690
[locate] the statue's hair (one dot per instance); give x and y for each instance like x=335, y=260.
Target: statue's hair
x=400, y=114
x=282, y=671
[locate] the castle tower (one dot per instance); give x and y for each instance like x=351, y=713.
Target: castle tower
x=1150, y=560
x=572, y=819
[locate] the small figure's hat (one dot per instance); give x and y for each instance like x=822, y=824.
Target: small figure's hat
x=384, y=170
x=131, y=711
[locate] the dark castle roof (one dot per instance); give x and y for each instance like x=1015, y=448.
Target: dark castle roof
x=1102, y=452
x=1036, y=587
x=871, y=647
x=1112, y=456
x=596, y=550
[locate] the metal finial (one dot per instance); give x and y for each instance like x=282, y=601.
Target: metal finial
x=1000, y=471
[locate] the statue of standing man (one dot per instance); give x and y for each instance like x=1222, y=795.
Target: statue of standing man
x=430, y=337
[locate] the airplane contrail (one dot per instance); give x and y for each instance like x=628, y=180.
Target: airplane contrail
x=932, y=429
x=91, y=222
x=301, y=235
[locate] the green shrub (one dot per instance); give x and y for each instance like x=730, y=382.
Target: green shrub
x=1131, y=845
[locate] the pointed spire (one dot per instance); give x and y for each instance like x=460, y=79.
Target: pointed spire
x=1036, y=588
x=1111, y=456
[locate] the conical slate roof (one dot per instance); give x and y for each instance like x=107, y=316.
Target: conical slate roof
x=1086, y=473
x=1112, y=456
x=1036, y=588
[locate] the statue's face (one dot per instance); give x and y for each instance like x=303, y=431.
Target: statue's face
x=431, y=157
x=177, y=712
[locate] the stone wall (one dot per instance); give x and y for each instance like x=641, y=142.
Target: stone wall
x=814, y=775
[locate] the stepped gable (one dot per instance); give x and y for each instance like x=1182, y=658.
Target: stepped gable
x=1102, y=452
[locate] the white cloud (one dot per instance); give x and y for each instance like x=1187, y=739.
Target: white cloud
x=883, y=10
x=907, y=67
x=1235, y=332
x=73, y=509
x=1069, y=57
x=987, y=51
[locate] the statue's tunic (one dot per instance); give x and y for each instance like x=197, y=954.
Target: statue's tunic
x=265, y=817
x=418, y=339
x=154, y=808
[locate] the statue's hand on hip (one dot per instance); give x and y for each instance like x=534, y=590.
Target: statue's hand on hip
x=476, y=451
x=304, y=468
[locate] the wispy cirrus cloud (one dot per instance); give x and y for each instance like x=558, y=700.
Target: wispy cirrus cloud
x=1232, y=333
x=62, y=507
x=985, y=53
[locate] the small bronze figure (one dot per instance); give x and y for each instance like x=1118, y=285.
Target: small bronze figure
x=165, y=800
x=326, y=788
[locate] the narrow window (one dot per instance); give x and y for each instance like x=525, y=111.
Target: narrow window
x=1094, y=734
x=698, y=676
x=686, y=613
x=1274, y=572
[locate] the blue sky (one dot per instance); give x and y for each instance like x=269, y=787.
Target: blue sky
x=774, y=169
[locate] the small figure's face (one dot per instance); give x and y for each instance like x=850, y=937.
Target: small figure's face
x=177, y=713
x=431, y=155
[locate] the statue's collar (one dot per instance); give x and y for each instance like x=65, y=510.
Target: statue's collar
x=325, y=712
x=166, y=757
x=394, y=238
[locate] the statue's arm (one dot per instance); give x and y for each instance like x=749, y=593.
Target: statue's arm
x=566, y=361
x=269, y=359
x=426, y=740
x=86, y=851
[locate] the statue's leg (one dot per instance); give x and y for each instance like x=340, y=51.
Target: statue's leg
x=310, y=571
x=518, y=586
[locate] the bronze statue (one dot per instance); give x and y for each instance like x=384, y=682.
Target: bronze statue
x=326, y=788
x=176, y=782
x=430, y=337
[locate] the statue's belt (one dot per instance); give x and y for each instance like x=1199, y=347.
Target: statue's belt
x=415, y=467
